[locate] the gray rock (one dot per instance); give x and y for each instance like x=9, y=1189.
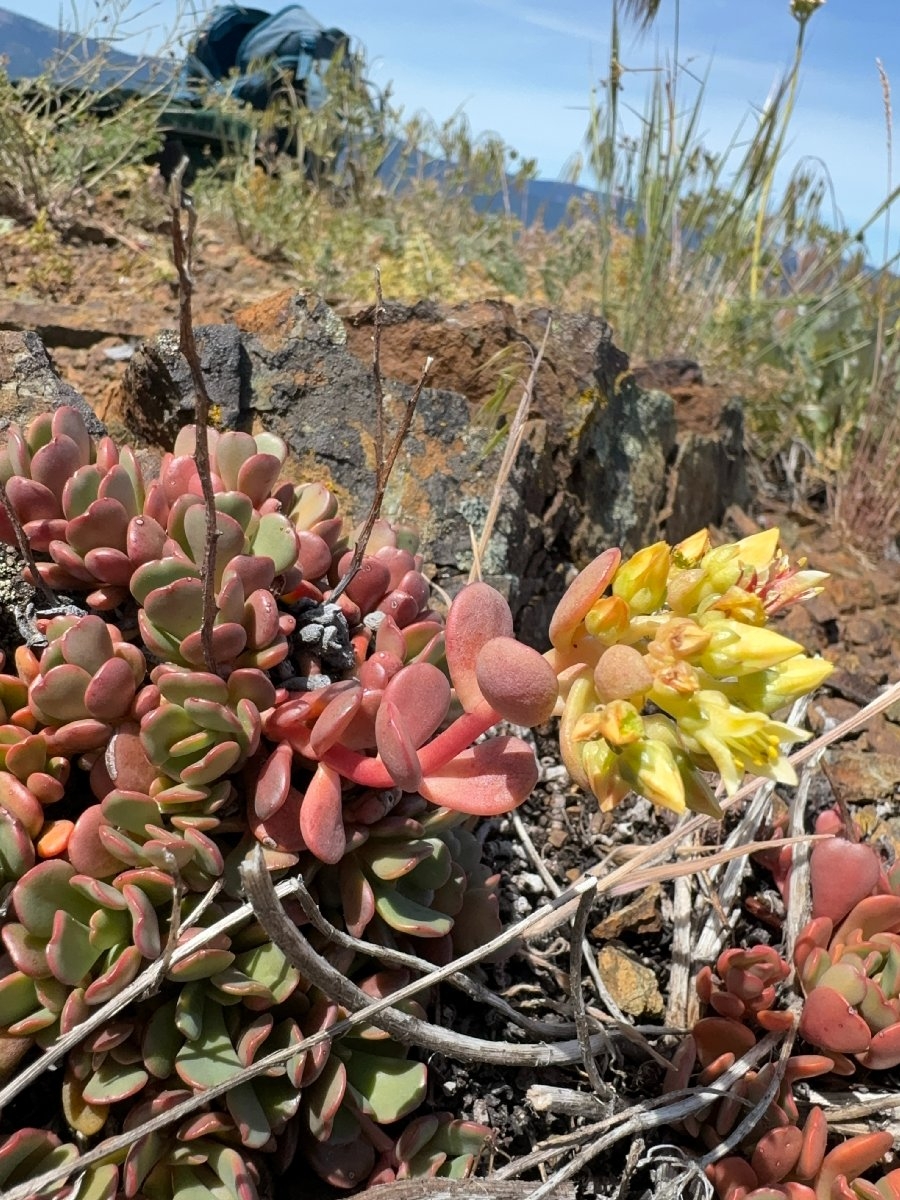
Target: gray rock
x=29, y=385
x=158, y=393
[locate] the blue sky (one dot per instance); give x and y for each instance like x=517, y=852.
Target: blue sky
x=524, y=69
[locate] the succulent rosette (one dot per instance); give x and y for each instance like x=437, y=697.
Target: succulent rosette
x=668, y=669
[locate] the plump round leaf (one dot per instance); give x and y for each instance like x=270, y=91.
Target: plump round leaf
x=478, y=614
x=517, y=681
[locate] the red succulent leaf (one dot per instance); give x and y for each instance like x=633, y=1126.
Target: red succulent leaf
x=830, y=1021
x=400, y=606
x=321, y=816
x=488, y=779
x=357, y=898
x=841, y=874
x=584, y=591
x=111, y=691
x=421, y=695
x=875, y=914
x=333, y=720
x=477, y=615
x=732, y=1176
x=313, y=555
x=815, y=1143
x=718, y=1035
x=776, y=1154
x=390, y=639
x=54, y=463
x=32, y=501
x=86, y=852
x=517, y=681
x=369, y=583
x=884, y=1049
x=815, y=936
x=379, y=668
x=273, y=782
x=850, y=1158
x=396, y=748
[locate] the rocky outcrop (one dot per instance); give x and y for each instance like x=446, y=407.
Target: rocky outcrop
x=29, y=385
x=600, y=465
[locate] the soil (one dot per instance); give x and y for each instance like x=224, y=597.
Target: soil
x=91, y=300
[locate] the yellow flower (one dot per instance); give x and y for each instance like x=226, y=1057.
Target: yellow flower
x=650, y=769
x=736, y=649
x=689, y=553
x=607, y=619
x=600, y=765
x=735, y=740
x=769, y=690
x=641, y=581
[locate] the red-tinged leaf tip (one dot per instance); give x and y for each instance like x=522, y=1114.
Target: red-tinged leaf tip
x=832, y=1023
x=321, y=816
x=732, y=1176
x=841, y=874
x=517, y=681
x=875, y=914
x=583, y=592
x=477, y=614
x=488, y=779
x=719, y=1035
x=815, y=1143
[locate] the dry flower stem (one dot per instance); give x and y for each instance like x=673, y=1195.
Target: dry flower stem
x=182, y=247
x=510, y=453
x=384, y=464
x=582, y=1023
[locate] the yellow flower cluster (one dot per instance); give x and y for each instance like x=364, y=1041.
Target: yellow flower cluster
x=668, y=669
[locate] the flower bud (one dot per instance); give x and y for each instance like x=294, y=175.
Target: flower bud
x=649, y=767
x=641, y=581
x=737, y=649
x=621, y=674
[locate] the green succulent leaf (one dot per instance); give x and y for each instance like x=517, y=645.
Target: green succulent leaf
x=386, y=1088
x=210, y=1058
x=408, y=916
x=112, y=1082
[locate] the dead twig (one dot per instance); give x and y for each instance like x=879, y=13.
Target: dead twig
x=384, y=462
x=510, y=453
x=409, y=1031
x=182, y=251
x=398, y=958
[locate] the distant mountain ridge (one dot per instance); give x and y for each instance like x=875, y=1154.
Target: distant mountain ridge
x=31, y=47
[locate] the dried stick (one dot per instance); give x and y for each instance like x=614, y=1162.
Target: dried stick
x=649, y=1114
x=25, y=550
x=510, y=453
x=398, y=958
x=582, y=1023
x=409, y=1031
x=182, y=249
x=384, y=463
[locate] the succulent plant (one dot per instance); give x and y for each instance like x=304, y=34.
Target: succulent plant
x=684, y=631
x=122, y=792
